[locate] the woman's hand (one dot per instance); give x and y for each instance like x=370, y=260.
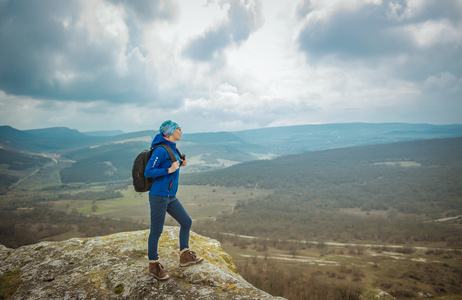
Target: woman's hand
x=175, y=166
x=184, y=161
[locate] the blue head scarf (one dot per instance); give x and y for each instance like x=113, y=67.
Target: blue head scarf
x=168, y=128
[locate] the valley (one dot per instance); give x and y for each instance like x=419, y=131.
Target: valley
x=347, y=223
x=305, y=269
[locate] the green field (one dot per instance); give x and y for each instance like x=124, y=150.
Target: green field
x=201, y=202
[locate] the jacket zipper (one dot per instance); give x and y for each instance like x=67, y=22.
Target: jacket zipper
x=169, y=188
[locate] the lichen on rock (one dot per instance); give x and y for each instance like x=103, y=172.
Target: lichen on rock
x=115, y=267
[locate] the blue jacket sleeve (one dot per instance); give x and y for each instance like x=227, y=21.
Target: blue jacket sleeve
x=158, y=165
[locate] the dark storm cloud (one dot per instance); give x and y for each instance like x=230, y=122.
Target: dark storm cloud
x=28, y=40
x=351, y=34
x=373, y=32
x=45, y=53
x=242, y=21
x=205, y=47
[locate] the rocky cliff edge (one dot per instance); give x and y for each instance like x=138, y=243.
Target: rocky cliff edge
x=115, y=267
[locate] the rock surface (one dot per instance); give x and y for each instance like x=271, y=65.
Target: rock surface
x=115, y=267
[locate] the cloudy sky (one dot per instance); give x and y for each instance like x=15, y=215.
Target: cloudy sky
x=225, y=65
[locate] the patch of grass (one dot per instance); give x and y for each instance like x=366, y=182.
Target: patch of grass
x=207, y=202
x=9, y=283
x=119, y=289
x=201, y=202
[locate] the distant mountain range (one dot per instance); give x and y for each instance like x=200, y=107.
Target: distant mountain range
x=108, y=156
x=274, y=141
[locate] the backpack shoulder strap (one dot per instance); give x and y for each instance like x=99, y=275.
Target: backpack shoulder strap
x=168, y=149
x=179, y=153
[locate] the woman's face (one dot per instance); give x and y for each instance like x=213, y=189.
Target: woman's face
x=177, y=134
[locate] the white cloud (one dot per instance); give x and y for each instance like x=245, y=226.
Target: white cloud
x=431, y=33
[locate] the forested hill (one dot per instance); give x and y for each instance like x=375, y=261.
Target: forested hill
x=410, y=176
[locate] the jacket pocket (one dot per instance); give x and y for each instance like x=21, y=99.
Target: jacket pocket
x=161, y=186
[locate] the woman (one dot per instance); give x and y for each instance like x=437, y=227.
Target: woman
x=162, y=198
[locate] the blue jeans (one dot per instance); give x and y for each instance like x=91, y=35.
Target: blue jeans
x=160, y=205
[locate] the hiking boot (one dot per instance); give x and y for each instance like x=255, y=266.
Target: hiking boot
x=188, y=257
x=157, y=270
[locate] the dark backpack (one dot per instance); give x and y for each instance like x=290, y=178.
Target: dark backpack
x=141, y=183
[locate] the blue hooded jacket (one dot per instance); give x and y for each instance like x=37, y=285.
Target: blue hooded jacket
x=158, y=165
